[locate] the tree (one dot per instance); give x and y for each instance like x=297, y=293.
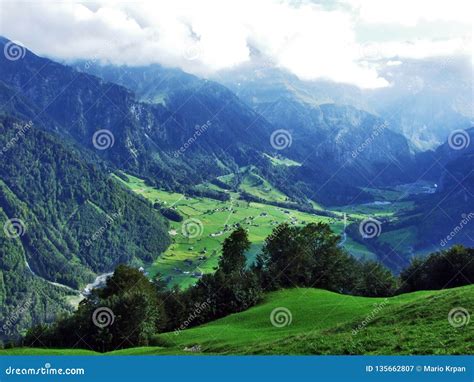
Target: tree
x=374, y=280
x=126, y=312
x=304, y=256
x=232, y=288
x=445, y=269
x=233, y=252
x=414, y=277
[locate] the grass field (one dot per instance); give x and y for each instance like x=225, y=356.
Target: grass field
x=323, y=322
x=282, y=161
x=189, y=257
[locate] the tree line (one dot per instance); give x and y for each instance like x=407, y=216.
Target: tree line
x=130, y=310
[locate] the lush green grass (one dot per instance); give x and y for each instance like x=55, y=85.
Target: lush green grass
x=404, y=326
x=186, y=257
x=282, y=161
x=257, y=186
x=39, y=351
x=402, y=239
x=375, y=210
x=325, y=323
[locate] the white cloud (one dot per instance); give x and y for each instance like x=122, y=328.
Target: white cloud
x=411, y=12
x=419, y=49
x=394, y=63
x=209, y=35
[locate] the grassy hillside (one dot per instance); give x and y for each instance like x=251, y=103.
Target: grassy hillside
x=323, y=322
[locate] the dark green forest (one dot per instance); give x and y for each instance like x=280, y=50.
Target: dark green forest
x=75, y=222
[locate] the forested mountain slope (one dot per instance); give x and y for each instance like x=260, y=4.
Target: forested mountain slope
x=64, y=220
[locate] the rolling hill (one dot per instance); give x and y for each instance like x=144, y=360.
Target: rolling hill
x=312, y=321
x=328, y=323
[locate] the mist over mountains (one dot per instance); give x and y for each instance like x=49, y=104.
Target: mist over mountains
x=425, y=101
x=69, y=131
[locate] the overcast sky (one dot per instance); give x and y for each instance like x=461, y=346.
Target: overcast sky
x=339, y=40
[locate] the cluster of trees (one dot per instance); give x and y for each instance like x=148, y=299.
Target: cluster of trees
x=295, y=205
x=292, y=256
x=440, y=270
x=169, y=213
x=126, y=312
x=208, y=193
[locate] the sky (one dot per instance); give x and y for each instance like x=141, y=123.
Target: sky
x=341, y=40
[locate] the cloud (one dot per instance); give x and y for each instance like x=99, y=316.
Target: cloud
x=418, y=49
x=411, y=12
x=206, y=36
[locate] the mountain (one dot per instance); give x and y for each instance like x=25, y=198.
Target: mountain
x=149, y=139
x=448, y=213
x=64, y=221
x=353, y=144
x=329, y=141
x=426, y=99
x=65, y=130
x=259, y=83
x=442, y=217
